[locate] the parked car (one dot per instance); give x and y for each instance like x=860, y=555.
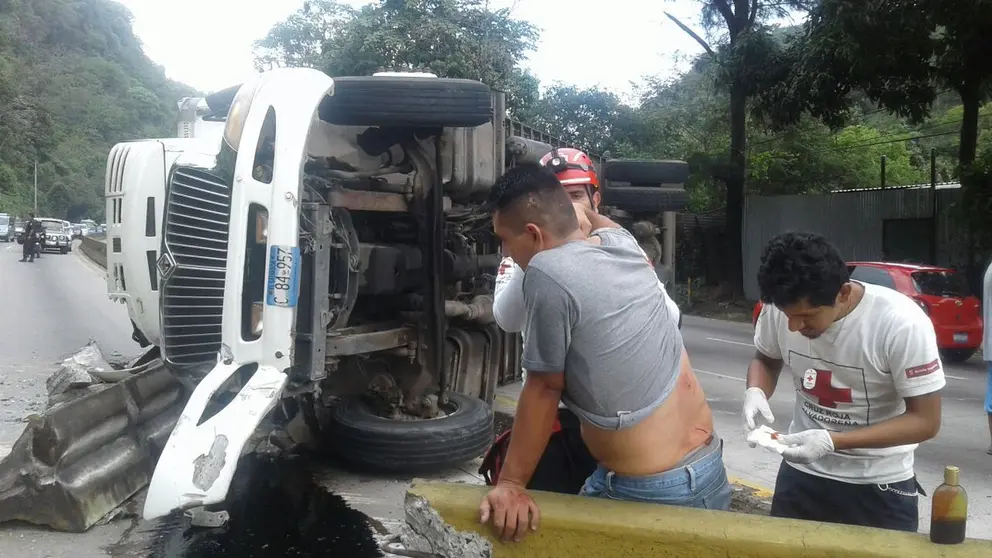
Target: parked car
x=941, y=292
x=6, y=227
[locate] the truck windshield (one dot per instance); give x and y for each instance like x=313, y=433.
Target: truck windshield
x=941, y=283
x=52, y=226
x=4, y=219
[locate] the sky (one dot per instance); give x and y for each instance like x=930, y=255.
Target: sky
x=207, y=44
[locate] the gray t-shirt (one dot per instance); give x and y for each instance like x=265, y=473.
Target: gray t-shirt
x=598, y=314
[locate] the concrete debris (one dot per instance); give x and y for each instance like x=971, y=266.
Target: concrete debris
x=428, y=534
x=77, y=374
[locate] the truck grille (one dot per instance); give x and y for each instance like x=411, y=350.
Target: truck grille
x=198, y=211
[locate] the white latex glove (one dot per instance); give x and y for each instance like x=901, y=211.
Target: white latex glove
x=755, y=403
x=806, y=446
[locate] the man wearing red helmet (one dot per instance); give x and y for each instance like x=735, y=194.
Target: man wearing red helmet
x=577, y=173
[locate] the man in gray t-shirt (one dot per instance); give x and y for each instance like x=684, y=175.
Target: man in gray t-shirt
x=601, y=339
x=622, y=351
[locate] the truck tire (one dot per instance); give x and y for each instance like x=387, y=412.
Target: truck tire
x=370, y=442
x=644, y=173
x=415, y=102
x=645, y=199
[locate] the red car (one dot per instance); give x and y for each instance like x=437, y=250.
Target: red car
x=941, y=292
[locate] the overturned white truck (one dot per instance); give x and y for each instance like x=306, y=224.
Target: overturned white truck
x=327, y=260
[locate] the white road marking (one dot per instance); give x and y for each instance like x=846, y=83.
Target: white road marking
x=736, y=379
x=954, y=377
x=730, y=342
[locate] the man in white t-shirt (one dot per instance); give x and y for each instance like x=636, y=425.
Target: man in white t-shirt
x=577, y=174
x=867, y=376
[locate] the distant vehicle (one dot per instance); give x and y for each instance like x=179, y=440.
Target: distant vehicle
x=54, y=237
x=6, y=227
x=941, y=292
x=67, y=227
x=90, y=227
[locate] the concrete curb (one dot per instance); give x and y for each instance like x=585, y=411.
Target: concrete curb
x=95, y=250
x=573, y=526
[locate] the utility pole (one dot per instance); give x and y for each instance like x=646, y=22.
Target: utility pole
x=36, y=188
x=934, y=214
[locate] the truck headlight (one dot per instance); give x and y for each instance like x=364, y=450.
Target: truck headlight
x=238, y=113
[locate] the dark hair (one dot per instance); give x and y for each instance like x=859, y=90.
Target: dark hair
x=797, y=266
x=531, y=193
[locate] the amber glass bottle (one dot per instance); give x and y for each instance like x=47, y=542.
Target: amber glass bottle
x=949, y=511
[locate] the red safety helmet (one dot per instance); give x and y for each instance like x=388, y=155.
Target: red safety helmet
x=573, y=168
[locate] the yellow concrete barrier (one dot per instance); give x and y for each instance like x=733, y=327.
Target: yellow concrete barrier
x=574, y=527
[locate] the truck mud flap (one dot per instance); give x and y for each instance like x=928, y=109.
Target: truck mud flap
x=79, y=461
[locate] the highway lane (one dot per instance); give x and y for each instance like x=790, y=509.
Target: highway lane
x=51, y=308
x=720, y=352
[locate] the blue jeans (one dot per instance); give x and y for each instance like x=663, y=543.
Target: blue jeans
x=988, y=389
x=699, y=483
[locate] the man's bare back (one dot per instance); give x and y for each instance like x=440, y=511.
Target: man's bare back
x=659, y=442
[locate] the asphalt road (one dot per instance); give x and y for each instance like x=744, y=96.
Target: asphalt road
x=58, y=304
x=51, y=308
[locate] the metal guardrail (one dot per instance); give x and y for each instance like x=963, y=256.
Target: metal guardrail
x=95, y=249
x=78, y=461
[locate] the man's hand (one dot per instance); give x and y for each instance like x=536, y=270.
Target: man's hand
x=806, y=446
x=512, y=511
x=585, y=225
x=755, y=403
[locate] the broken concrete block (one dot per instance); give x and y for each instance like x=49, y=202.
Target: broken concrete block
x=429, y=534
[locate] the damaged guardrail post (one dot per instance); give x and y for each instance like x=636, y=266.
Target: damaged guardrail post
x=80, y=460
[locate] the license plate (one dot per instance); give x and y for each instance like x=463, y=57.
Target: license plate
x=960, y=337
x=284, y=276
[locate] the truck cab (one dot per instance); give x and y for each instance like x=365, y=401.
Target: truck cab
x=330, y=256
x=137, y=172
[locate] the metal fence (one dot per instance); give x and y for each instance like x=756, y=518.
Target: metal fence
x=861, y=223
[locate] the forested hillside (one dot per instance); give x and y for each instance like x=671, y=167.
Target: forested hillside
x=73, y=82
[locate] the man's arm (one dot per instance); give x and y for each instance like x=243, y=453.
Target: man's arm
x=508, y=298
x=766, y=364
x=914, y=362
x=535, y=417
x=550, y=314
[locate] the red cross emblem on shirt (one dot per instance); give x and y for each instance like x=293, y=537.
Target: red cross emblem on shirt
x=827, y=395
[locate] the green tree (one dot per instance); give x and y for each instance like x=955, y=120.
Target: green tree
x=749, y=63
x=450, y=38
x=900, y=53
x=299, y=40
x=593, y=119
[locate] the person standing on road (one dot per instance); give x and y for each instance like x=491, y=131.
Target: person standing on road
x=867, y=375
x=576, y=172
x=31, y=229
x=987, y=344
x=601, y=339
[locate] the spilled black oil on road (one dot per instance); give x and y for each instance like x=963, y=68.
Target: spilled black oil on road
x=276, y=510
